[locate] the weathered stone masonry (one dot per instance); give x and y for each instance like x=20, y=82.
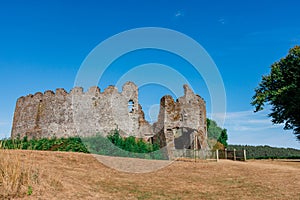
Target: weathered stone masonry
x=181, y=124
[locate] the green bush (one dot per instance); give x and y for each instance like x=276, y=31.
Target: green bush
x=115, y=145
x=112, y=145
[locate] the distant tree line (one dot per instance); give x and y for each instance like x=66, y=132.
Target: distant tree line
x=217, y=138
x=266, y=152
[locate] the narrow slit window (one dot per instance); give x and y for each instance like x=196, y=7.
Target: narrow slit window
x=130, y=106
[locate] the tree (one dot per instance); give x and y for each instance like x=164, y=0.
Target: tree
x=214, y=131
x=216, y=134
x=281, y=89
x=223, y=138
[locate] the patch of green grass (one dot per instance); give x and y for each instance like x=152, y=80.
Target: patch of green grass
x=53, y=144
x=29, y=190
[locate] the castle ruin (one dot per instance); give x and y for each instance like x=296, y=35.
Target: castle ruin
x=180, y=124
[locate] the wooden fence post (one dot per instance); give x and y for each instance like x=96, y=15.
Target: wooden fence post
x=245, y=157
x=226, y=154
x=217, y=154
x=234, y=154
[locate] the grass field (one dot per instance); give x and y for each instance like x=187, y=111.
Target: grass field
x=65, y=175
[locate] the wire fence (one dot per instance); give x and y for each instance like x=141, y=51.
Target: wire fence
x=232, y=154
x=208, y=154
x=194, y=154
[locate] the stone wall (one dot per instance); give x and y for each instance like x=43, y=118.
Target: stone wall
x=79, y=113
x=180, y=124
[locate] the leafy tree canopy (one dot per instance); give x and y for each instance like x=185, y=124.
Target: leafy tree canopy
x=281, y=89
x=223, y=138
x=216, y=133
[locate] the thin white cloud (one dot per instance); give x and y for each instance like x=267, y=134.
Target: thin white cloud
x=222, y=21
x=246, y=121
x=2, y=123
x=5, y=128
x=179, y=14
x=247, y=127
x=259, y=121
x=295, y=39
x=290, y=35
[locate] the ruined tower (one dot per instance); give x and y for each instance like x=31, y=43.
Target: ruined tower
x=182, y=123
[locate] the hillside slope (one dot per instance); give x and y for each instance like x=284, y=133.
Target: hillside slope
x=64, y=175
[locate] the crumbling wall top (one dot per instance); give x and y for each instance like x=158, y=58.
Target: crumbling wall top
x=76, y=90
x=49, y=93
x=61, y=92
x=94, y=90
x=110, y=90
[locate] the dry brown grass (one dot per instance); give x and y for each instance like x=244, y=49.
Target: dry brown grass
x=80, y=176
x=20, y=176
x=16, y=179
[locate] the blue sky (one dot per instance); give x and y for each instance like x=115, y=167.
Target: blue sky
x=43, y=44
